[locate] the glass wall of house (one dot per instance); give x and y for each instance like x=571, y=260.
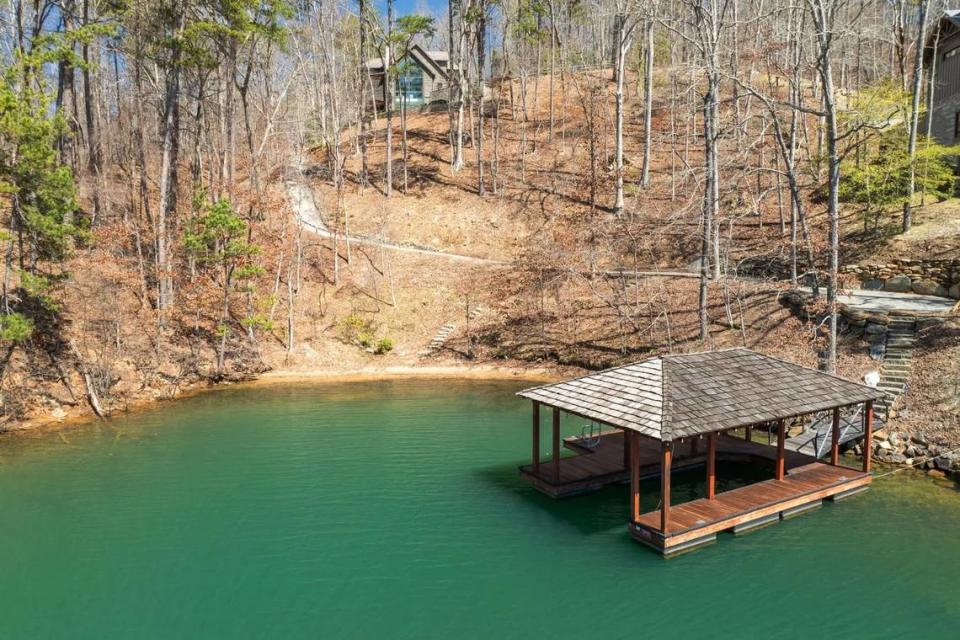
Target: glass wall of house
x=409, y=84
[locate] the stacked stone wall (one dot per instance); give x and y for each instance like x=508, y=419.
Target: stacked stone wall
x=932, y=277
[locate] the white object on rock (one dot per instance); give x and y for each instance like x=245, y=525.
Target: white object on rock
x=872, y=378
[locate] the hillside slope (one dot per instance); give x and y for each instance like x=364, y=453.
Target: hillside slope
x=562, y=294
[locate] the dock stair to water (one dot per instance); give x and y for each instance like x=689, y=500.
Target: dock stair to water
x=897, y=361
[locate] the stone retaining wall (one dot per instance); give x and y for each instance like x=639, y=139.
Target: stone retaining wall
x=928, y=277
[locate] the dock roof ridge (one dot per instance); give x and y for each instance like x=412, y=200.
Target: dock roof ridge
x=688, y=394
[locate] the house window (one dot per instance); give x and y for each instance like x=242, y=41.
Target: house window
x=409, y=84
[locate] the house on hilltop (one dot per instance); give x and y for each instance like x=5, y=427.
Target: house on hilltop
x=420, y=78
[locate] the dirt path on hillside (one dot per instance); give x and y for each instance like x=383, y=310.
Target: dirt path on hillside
x=305, y=209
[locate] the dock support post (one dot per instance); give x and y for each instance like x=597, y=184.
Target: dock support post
x=556, y=444
x=781, y=442
x=835, y=444
x=867, y=435
x=748, y=434
x=711, y=465
x=536, y=437
x=626, y=448
x=633, y=440
x=667, y=455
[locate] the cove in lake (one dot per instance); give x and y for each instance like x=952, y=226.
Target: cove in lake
x=394, y=510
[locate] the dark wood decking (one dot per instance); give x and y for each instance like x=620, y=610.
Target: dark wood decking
x=592, y=469
x=692, y=524
x=697, y=522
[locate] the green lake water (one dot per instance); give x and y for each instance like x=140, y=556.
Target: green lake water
x=394, y=510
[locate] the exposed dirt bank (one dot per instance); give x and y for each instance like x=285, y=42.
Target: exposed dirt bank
x=306, y=375
x=466, y=371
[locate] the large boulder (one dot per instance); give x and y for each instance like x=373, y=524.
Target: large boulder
x=873, y=283
x=898, y=284
x=872, y=328
x=942, y=464
x=955, y=291
x=929, y=288
x=855, y=316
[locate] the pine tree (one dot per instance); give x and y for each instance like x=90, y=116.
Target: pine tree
x=218, y=239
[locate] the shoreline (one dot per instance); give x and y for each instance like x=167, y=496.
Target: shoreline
x=363, y=374
x=278, y=377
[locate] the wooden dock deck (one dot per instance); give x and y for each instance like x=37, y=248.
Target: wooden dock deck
x=693, y=524
x=592, y=468
x=677, y=411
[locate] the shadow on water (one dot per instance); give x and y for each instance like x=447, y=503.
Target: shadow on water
x=588, y=514
x=607, y=509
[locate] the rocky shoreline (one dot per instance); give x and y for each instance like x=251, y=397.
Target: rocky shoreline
x=914, y=451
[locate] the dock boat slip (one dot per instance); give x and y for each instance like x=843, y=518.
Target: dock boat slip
x=679, y=412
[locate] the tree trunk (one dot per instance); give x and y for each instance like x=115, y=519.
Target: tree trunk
x=403, y=137
x=94, y=164
x=823, y=19
x=709, y=195
x=647, y=103
x=481, y=44
x=364, y=168
x=167, y=174
x=230, y=146
x=623, y=36
x=915, y=113
x=388, y=98
x=66, y=95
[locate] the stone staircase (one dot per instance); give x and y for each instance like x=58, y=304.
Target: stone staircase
x=440, y=338
x=895, y=371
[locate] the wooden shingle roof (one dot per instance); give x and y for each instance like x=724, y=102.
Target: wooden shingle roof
x=677, y=396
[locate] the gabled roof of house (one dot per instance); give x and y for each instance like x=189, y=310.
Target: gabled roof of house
x=438, y=56
x=683, y=395
x=948, y=25
x=426, y=59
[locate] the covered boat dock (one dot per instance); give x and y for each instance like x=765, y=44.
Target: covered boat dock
x=690, y=410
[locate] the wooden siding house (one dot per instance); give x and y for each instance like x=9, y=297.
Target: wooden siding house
x=942, y=59
x=420, y=78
